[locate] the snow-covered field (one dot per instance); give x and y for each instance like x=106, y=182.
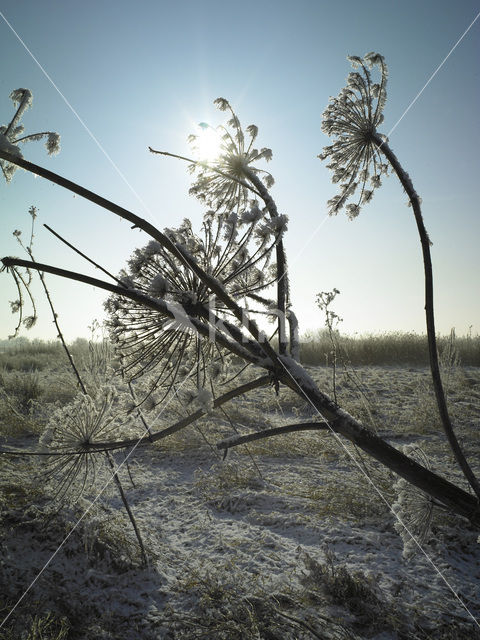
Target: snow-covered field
x=285, y=538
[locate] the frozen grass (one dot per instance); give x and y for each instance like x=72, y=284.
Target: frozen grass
x=390, y=348
x=285, y=539
x=393, y=348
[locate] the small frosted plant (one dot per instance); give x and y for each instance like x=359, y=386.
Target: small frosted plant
x=413, y=508
x=12, y=134
x=332, y=319
x=23, y=280
x=74, y=428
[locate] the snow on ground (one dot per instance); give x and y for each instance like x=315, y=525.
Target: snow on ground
x=280, y=534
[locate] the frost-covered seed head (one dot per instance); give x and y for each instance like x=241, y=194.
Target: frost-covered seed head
x=351, y=119
x=151, y=340
x=72, y=428
x=217, y=180
x=12, y=134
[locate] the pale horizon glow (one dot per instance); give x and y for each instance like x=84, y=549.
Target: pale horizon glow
x=128, y=80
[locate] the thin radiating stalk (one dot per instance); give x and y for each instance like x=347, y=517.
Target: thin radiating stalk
x=429, y=313
x=204, y=164
x=127, y=507
x=80, y=253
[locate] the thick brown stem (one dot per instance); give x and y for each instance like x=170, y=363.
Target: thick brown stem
x=454, y=498
x=429, y=313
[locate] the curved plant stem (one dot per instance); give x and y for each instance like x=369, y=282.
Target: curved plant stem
x=282, y=276
x=430, y=318
x=236, y=440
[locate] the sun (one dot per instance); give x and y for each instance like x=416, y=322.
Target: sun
x=208, y=143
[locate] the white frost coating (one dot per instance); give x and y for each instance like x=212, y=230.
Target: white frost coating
x=53, y=143
x=298, y=373
x=204, y=400
x=6, y=145
x=12, y=133
x=158, y=286
x=19, y=95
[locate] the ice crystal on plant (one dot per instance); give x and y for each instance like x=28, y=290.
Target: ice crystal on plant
x=72, y=428
x=412, y=507
x=235, y=250
x=12, y=134
x=29, y=322
x=158, y=286
x=351, y=119
x=219, y=181
x=204, y=400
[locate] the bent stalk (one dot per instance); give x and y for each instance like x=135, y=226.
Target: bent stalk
x=429, y=313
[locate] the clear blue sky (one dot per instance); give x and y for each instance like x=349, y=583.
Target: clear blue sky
x=146, y=73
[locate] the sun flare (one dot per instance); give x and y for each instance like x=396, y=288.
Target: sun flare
x=208, y=143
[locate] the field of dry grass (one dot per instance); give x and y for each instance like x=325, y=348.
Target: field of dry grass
x=288, y=537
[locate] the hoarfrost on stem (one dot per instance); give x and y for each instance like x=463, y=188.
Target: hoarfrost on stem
x=12, y=134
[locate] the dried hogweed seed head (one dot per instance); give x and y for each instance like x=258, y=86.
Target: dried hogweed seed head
x=149, y=339
x=217, y=182
x=12, y=134
x=70, y=431
x=351, y=119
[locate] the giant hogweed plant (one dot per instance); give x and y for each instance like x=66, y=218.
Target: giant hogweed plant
x=187, y=301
